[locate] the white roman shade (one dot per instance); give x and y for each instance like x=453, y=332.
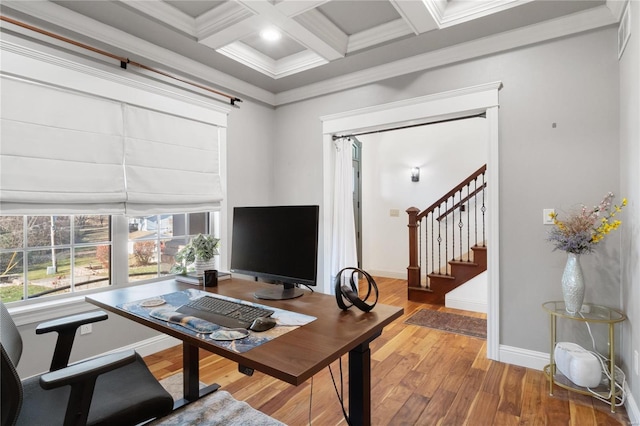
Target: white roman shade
x=171, y=163
x=66, y=152
x=60, y=151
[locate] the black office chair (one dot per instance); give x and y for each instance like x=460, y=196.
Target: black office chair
x=116, y=389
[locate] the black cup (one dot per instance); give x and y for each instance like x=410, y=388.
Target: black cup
x=211, y=278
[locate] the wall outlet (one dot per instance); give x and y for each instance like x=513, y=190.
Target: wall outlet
x=635, y=362
x=546, y=219
x=86, y=329
x=394, y=212
x=585, y=309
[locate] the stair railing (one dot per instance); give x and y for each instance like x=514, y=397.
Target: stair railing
x=451, y=227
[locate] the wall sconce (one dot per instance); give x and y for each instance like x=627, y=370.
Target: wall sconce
x=415, y=174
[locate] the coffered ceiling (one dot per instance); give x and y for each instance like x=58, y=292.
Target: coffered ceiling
x=219, y=42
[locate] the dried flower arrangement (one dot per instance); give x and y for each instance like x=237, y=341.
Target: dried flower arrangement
x=581, y=231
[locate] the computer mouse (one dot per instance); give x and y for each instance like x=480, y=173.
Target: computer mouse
x=263, y=324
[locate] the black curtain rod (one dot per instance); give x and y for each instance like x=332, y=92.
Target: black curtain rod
x=481, y=115
x=123, y=61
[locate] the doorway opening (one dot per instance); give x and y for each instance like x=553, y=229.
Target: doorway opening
x=431, y=108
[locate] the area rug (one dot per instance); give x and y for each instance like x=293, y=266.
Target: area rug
x=217, y=408
x=451, y=323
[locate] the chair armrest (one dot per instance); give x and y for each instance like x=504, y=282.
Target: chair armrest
x=82, y=379
x=66, y=328
x=71, y=322
x=87, y=370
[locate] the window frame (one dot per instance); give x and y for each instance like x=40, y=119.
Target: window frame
x=119, y=272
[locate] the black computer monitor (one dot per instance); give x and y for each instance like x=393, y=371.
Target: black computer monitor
x=278, y=244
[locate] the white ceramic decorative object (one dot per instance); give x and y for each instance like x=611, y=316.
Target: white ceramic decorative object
x=573, y=284
x=203, y=265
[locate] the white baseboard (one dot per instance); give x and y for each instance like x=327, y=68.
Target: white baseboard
x=523, y=357
x=466, y=304
x=632, y=407
x=387, y=274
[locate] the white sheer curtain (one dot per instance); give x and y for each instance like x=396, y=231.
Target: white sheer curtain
x=343, y=241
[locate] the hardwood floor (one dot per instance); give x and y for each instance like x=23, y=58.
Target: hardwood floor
x=419, y=377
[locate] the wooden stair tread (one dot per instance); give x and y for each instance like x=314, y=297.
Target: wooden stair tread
x=463, y=263
x=446, y=277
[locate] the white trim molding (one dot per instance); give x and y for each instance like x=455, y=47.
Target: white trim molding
x=456, y=103
x=593, y=18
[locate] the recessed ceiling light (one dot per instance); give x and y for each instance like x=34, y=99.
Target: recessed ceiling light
x=270, y=34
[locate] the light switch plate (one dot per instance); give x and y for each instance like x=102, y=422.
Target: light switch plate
x=546, y=219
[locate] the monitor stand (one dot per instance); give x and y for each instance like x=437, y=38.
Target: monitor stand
x=289, y=291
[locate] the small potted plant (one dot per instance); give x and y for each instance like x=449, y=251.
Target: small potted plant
x=200, y=252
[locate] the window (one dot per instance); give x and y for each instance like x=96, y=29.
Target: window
x=154, y=241
x=44, y=256
x=47, y=255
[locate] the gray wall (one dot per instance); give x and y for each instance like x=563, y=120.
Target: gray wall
x=115, y=332
x=275, y=156
x=572, y=82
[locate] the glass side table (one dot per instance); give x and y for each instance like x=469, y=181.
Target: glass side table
x=591, y=314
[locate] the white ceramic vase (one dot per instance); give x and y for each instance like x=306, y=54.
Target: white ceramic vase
x=573, y=284
x=203, y=265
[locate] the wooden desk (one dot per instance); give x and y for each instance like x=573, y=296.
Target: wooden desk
x=293, y=357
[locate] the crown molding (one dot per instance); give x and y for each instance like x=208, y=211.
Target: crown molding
x=298, y=62
x=93, y=29
x=583, y=21
x=384, y=32
x=548, y=30
x=448, y=14
x=220, y=18
x=289, y=65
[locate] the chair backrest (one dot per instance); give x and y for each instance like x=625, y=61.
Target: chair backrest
x=10, y=336
x=11, y=386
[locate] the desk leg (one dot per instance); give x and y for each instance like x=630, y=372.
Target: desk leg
x=190, y=372
x=360, y=385
x=191, y=377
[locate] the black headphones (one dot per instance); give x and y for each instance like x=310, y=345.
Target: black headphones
x=351, y=293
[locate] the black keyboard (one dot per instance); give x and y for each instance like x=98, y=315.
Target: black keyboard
x=224, y=312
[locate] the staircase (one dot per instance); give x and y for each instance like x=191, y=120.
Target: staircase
x=461, y=272
x=451, y=228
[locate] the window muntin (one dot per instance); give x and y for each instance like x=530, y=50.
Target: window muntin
x=51, y=255
x=62, y=254
x=154, y=241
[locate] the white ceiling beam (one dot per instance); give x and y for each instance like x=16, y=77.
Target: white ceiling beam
x=234, y=33
x=293, y=8
x=377, y=35
x=215, y=22
x=166, y=13
x=293, y=29
x=416, y=14
x=448, y=14
x=321, y=26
